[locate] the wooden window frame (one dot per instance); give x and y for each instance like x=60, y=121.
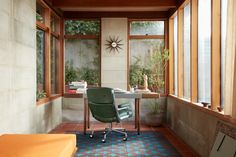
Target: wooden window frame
x=76, y=36
x=183, y=44
x=171, y=56
x=180, y=76
x=166, y=42
x=215, y=53
x=46, y=27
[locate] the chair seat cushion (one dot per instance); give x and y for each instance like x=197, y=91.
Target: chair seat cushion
x=37, y=145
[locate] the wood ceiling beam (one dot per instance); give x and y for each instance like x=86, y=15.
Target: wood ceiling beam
x=113, y=3
x=133, y=15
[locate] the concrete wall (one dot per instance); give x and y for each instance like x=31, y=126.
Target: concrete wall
x=18, y=110
x=196, y=127
x=114, y=64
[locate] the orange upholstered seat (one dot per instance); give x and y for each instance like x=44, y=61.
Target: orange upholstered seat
x=37, y=145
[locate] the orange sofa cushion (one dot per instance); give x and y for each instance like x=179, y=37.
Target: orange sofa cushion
x=37, y=145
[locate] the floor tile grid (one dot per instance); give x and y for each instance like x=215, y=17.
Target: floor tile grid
x=172, y=138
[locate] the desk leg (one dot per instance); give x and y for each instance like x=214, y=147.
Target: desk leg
x=135, y=112
x=88, y=116
x=138, y=116
x=85, y=115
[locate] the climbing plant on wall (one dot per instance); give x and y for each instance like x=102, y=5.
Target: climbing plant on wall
x=82, y=27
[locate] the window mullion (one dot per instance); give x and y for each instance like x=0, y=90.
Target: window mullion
x=171, y=56
x=215, y=55
x=180, y=53
x=194, y=51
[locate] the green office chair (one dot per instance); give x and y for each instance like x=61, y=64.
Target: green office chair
x=101, y=102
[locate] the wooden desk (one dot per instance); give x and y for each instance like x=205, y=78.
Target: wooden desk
x=136, y=96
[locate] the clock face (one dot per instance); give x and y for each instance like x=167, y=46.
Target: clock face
x=114, y=44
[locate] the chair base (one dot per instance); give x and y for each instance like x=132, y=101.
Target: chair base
x=108, y=130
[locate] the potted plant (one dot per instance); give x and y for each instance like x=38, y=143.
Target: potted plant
x=155, y=114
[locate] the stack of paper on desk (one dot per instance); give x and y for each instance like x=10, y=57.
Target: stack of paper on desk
x=118, y=90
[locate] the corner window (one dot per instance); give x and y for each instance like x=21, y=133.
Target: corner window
x=204, y=51
x=48, y=54
x=224, y=5
x=147, y=54
x=40, y=38
x=186, y=48
x=82, y=52
x=176, y=55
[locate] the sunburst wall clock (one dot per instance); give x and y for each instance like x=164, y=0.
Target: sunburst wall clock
x=114, y=44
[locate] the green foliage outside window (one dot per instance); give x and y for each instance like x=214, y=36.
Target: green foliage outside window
x=89, y=75
x=78, y=74
x=154, y=70
x=82, y=27
x=40, y=93
x=70, y=72
x=39, y=18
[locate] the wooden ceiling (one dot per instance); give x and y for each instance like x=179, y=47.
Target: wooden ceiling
x=98, y=8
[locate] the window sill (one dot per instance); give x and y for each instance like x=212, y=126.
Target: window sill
x=48, y=99
x=199, y=107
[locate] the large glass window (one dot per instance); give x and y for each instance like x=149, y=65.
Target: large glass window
x=186, y=46
x=176, y=55
x=224, y=4
x=83, y=58
x=54, y=25
x=48, y=50
x=40, y=11
x=40, y=61
x=82, y=52
x=147, y=28
x=147, y=54
x=204, y=51
x=54, y=65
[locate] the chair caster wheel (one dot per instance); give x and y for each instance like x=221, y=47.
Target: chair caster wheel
x=91, y=136
x=103, y=140
x=125, y=139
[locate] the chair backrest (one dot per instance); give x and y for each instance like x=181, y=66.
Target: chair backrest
x=101, y=102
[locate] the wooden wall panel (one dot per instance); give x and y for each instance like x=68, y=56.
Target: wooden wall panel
x=131, y=15
x=112, y=3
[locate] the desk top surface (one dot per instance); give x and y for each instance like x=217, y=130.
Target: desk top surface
x=118, y=95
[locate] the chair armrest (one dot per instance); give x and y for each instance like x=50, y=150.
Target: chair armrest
x=124, y=105
x=125, y=112
x=122, y=108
